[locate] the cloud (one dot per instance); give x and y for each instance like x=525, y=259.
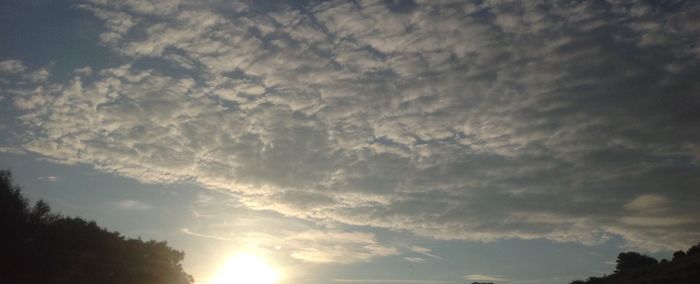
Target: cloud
x=414, y=259
x=656, y=221
x=51, y=178
x=647, y=202
x=484, y=277
x=337, y=247
x=424, y=251
x=83, y=71
x=476, y=121
x=191, y=233
x=39, y=75
x=31, y=90
x=16, y=67
x=132, y=205
x=12, y=66
x=11, y=150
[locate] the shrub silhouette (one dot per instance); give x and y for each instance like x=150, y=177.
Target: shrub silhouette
x=37, y=246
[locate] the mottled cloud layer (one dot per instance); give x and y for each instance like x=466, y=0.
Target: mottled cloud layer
x=572, y=121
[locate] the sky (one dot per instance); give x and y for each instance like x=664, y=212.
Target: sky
x=364, y=141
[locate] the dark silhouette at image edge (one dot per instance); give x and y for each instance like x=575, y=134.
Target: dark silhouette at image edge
x=37, y=246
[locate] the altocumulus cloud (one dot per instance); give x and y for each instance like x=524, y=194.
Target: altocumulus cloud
x=478, y=120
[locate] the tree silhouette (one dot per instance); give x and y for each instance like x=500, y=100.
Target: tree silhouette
x=679, y=254
x=594, y=280
x=634, y=268
x=37, y=246
x=694, y=250
x=630, y=261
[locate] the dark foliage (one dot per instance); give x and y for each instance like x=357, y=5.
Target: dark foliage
x=635, y=268
x=695, y=250
x=594, y=280
x=631, y=261
x=678, y=255
x=37, y=246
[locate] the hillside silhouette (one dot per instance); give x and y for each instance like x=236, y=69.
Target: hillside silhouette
x=38, y=246
x=635, y=268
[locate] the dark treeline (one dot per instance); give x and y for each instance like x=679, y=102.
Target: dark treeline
x=635, y=268
x=38, y=246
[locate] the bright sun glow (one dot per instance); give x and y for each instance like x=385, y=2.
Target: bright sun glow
x=246, y=269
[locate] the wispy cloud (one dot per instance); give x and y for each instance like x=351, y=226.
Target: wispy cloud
x=648, y=202
x=484, y=277
x=213, y=237
x=424, y=251
x=337, y=247
x=11, y=149
x=51, y=178
x=83, y=71
x=414, y=259
x=131, y=205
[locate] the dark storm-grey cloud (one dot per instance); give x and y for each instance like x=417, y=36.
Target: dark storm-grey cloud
x=453, y=120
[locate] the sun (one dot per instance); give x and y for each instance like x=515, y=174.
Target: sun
x=244, y=268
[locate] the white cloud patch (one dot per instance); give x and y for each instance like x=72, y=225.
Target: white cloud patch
x=11, y=150
x=544, y=121
x=12, y=66
x=657, y=221
x=414, y=259
x=132, y=205
x=213, y=237
x=337, y=247
x=484, y=277
x=51, y=178
x=83, y=71
x=424, y=251
x=39, y=75
x=647, y=202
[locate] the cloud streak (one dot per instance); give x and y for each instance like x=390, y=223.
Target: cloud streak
x=132, y=205
x=484, y=277
x=424, y=251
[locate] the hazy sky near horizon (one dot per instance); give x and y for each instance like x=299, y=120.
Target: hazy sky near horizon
x=364, y=141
